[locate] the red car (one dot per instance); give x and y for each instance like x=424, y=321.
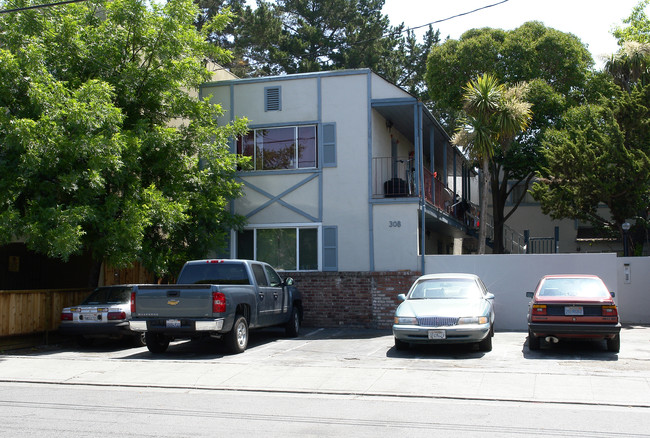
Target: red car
x=572, y=306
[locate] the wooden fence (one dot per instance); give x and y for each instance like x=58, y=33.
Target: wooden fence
x=35, y=311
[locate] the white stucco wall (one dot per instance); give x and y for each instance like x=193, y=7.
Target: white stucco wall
x=345, y=101
x=395, y=229
x=510, y=276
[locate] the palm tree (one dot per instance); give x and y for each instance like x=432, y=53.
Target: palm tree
x=494, y=114
x=630, y=65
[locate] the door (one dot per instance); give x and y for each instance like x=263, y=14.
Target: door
x=276, y=289
x=264, y=298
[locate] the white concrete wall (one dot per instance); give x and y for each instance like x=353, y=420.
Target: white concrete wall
x=634, y=289
x=510, y=276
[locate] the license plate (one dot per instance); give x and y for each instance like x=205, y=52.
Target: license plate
x=88, y=317
x=173, y=323
x=573, y=311
x=437, y=334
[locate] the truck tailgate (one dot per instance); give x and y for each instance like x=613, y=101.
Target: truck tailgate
x=177, y=301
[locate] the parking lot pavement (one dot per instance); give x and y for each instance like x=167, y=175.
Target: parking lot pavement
x=357, y=361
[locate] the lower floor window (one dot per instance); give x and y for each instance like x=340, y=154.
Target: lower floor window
x=289, y=249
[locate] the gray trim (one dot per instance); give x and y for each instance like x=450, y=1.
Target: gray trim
x=328, y=145
x=330, y=249
x=278, y=198
x=371, y=226
x=351, y=72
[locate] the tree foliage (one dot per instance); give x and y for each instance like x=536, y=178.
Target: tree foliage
x=299, y=36
x=102, y=149
x=600, y=153
x=556, y=67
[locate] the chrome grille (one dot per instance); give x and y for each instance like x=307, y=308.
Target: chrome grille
x=437, y=321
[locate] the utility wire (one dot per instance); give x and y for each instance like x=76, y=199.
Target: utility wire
x=455, y=16
x=47, y=5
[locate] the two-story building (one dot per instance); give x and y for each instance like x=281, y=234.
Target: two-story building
x=348, y=175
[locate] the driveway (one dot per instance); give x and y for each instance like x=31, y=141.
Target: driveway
x=363, y=362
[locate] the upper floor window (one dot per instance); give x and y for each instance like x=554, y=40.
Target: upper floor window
x=292, y=147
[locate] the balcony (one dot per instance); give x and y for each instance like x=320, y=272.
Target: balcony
x=396, y=178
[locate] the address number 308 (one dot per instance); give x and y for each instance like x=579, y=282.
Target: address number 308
x=394, y=224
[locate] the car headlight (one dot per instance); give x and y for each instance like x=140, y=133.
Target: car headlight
x=473, y=320
x=410, y=320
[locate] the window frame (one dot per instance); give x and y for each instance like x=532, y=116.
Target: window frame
x=258, y=153
x=297, y=227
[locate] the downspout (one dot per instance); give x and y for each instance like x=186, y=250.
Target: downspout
x=420, y=168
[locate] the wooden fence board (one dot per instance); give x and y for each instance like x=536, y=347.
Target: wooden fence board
x=35, y=311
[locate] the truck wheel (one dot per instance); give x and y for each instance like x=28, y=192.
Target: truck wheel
x=237, y=338
x=292, y=327
x=156, y=343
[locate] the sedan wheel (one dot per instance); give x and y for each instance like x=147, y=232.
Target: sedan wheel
x=533, y=342
x=614, y=344
x=401, y=345
x=486, y=343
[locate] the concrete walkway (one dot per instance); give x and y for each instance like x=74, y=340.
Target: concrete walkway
x=358, y=362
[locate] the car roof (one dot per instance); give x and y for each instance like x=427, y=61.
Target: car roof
x=570, y=276
x=448, y=275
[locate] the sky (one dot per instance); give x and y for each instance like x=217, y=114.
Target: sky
x=590, y=20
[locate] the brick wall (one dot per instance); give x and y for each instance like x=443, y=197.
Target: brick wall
x=351, y=299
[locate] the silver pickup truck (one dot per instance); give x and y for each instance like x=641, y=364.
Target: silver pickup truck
x=218, y=298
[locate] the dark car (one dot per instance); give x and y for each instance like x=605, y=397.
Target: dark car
x=572, y=307
x=104, y=314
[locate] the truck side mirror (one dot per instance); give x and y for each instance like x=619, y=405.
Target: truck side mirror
x=530, y=294
x=288, y=281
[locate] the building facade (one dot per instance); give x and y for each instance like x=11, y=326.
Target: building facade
x=347, y=172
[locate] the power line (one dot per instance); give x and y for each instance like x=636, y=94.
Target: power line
x=455, y=16
x=47, y=5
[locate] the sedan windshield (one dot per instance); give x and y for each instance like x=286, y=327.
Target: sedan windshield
x=573, y=287
x=448, y=288
x=109, y=295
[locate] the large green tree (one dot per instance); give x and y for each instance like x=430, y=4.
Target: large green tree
x=600, y=153
x=299, y=36
x=555, y=65
x=102, y=149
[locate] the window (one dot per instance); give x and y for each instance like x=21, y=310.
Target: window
x=291, y=249
x=292, y=147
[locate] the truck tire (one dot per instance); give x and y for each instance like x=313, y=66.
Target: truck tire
x=237, y=338
x=156, y=343
x=292, y=328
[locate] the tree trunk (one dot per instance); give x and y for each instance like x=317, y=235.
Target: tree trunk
x=93, y=275
x=482, y=228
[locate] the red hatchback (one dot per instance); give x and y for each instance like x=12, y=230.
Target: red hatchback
x=572, y=306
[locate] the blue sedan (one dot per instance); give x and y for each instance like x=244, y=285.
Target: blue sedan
x=445, y=309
